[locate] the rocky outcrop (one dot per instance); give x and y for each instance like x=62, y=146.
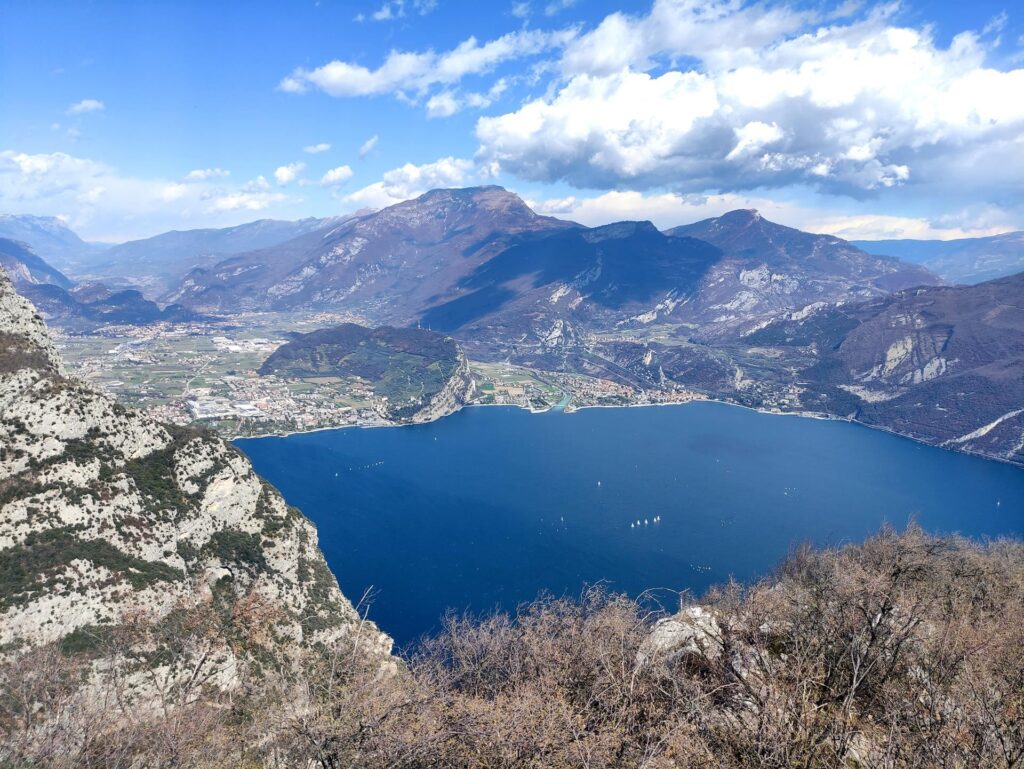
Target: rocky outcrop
x=693, y=632
x=106, y=514
x=768, y=269
x=941, y=364
x=455, y=394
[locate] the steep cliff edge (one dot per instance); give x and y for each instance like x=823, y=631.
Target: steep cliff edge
x=106, y=515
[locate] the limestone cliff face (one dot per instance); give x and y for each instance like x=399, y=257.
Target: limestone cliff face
x=105, y=513
x=453, y=396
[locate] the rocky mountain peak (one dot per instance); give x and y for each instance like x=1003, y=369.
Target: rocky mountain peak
x=41, y=221
x=621, y=230
x=442, y=212
x=489, y=196
x=741, y=216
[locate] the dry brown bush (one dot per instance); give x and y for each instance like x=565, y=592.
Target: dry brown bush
x=906, y=651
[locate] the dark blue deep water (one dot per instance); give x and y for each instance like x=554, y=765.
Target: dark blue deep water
x=491, y=506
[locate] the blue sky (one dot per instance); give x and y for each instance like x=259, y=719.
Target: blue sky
x=862, y=119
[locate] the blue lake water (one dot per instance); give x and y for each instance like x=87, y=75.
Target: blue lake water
x=491, y=506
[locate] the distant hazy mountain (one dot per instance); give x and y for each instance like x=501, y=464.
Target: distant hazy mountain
x=968, y=260
x=25, y=267
x=97, y=306
x=50, y=238
x=155, y=264
x=942, y=364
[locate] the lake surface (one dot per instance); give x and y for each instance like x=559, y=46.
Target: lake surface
x=491, y=506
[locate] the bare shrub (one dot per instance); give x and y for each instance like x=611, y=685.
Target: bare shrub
x=904, y=652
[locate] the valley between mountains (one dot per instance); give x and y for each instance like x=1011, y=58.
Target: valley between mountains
x=475, y=298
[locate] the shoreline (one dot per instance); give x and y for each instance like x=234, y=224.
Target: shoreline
x=819, y=415
x=568, y=409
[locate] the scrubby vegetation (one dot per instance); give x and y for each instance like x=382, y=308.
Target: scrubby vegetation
x=153, y=476
x=408, y=366
x=40, y=565
x=16, y=355
x=906, y=651
x=238, y=548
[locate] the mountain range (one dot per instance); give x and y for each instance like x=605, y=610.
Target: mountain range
x=965, y=260
x=50, y=238
x=26, y=268
x=480, y=264
x=736, y=306
x=89, y=305
x=158, y=263
x=82, y=306
x=941, y=364
x=391, y=263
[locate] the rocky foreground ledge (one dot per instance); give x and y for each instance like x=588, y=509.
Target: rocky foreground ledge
x=109, y=519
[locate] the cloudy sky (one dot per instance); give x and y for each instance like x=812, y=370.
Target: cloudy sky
x=863, y=119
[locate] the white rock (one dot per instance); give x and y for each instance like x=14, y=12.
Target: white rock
x=693, y=631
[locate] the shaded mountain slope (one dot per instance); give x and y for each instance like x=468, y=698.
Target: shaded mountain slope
x=390, y=264
x=616, y=269
x=710, y=282
x=942, y=364
x=97, y=305
x=49, y=237
x=24, y=267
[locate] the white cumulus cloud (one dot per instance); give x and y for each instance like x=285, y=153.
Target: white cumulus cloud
x=336, y=176
x=244, y=201
x=557, y=6
x=102, y=204
x=396, y=9
x=289, y=173
x=411, y=180
x=417, y=72
x=442, y=104
x=316, y=149
x=668, y=210
x=447, y=103
x=86, y=105
x=770, y=97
